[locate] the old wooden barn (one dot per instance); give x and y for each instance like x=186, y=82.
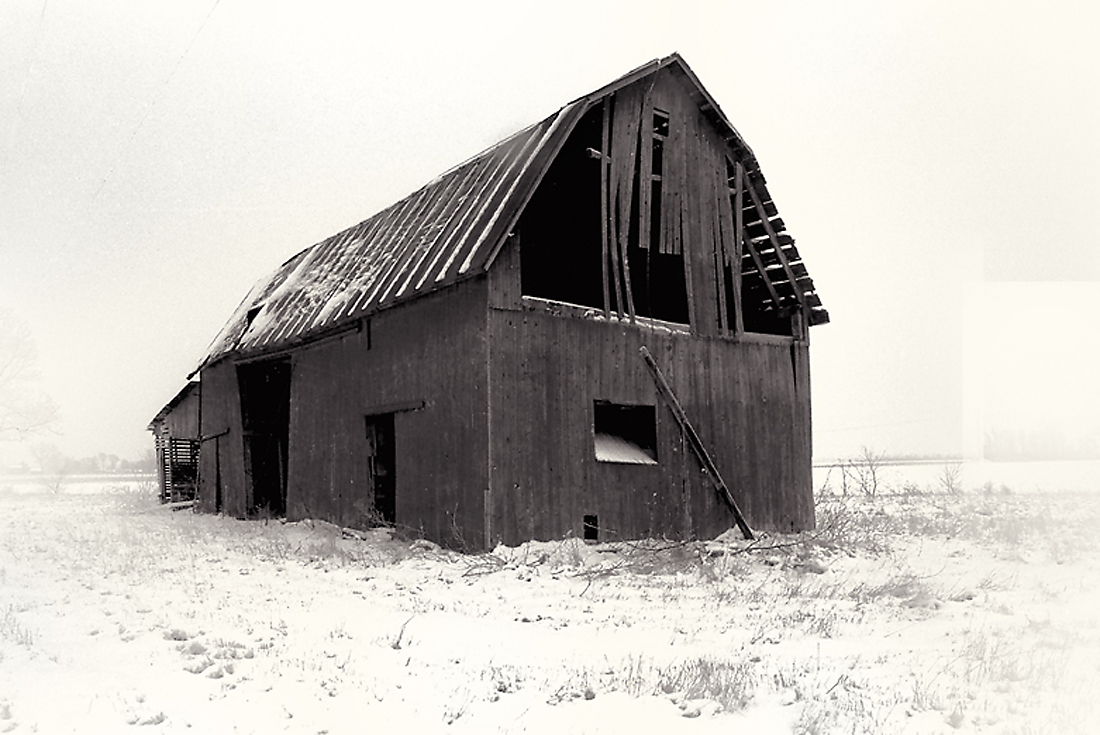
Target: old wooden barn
x=466, y=363
x=176, y=439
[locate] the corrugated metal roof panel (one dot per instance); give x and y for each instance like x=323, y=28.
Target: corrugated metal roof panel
x=430, y=239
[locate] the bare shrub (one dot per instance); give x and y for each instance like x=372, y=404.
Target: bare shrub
x=24, y=409
x=950, y=478
x=849, y=524
x=862, y=473
x=13, y=630
x=730, y=683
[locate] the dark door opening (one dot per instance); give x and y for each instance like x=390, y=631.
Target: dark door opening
x=265, y=419
x=380, y=467
x=218, y=475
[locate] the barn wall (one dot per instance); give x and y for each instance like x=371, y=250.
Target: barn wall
x=182, y=422
x=748, y=401
x=431, y=351
x=221, y=456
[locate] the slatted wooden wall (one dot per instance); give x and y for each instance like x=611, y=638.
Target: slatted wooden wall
x=743, y=398
x=748, y=395
x=425, y=362
x=221, y=455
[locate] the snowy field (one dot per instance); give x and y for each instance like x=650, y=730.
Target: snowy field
x=918, y=613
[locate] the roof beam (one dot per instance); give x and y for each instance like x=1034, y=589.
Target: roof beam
x=751, y=188
x=760, y=267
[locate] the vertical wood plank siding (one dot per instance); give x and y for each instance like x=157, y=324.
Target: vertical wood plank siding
x=545, y=373
x=183, y=420
x=419, y=312
x=431, y=350
x=221, y=457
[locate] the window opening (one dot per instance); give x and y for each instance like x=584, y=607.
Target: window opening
x=561, y=250
x=625, y=434
x=574, y=209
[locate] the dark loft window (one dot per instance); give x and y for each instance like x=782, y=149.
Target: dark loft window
x=560, y=228
x=625, y=434
x=657, y=274
x=563, y=228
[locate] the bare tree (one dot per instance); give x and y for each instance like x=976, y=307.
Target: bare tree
x=949, y=478
x=24, y=409
x=53, y=465
x=863, y=472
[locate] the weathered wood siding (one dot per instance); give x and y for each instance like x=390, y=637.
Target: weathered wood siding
x=744, y=398
x=432, y=350
x=182, y=422
x=221, y=456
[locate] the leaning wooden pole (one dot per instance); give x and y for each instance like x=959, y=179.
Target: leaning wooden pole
x=696, y=444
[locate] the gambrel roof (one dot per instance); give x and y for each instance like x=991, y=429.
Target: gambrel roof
x=453, y=227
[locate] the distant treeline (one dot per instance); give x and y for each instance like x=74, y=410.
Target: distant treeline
x=49, y=460
x=1013, y=445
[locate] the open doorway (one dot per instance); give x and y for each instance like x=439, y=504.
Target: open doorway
x=265, y=419
x=380, y=467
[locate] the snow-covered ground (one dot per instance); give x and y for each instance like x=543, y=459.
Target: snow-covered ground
x=904, y=614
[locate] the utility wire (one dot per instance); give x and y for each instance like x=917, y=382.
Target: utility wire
x=153, y=104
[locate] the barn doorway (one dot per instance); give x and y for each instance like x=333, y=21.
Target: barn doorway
x=380, y=467
x=265, y=419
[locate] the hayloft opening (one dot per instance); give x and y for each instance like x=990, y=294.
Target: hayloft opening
x=561, y=251
x=592, y=232
x=625, y=434
x=760, y=316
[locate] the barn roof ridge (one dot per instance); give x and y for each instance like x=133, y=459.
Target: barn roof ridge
x=449, y=229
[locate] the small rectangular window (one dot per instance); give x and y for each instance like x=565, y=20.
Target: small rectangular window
x=591, y=528
x=625, y=434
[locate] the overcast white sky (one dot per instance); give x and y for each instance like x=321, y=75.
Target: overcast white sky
x=938, y=163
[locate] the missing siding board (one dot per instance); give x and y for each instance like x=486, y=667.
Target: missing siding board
x=657, y=273
x=625, y=434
